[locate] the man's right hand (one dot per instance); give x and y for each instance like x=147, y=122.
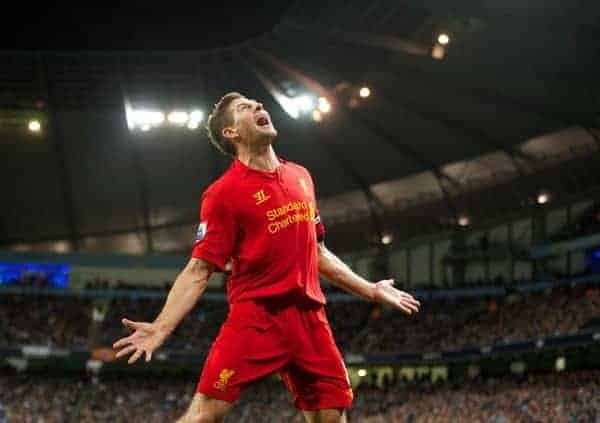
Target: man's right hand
x=146, y=338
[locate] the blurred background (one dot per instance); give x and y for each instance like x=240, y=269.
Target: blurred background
x=454, y=146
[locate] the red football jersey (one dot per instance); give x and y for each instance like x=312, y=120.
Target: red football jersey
x=268, y=225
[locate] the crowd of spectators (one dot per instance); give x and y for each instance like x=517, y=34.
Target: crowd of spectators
x=195, y=333
x=105, y=284
x=359, y=327
x=444, y=326
x=44, y=320
x=556, y=397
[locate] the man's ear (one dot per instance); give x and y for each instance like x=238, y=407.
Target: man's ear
x=230, y=132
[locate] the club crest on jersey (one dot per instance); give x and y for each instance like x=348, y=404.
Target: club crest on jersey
x=201, y=232
x=223, y=381
x=260, y=197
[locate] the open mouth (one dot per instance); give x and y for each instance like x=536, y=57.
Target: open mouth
x=263, y=120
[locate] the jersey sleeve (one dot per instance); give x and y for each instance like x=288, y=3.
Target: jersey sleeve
x=319, y=226
x=217, y=231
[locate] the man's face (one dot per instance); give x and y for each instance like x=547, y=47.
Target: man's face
x=251, y=122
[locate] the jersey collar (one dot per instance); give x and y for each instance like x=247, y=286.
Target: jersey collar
x=245, y=170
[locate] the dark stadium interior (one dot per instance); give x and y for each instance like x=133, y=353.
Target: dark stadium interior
x=468, y=169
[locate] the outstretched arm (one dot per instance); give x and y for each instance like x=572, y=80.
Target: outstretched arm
x=339, y=274
x=185, y=292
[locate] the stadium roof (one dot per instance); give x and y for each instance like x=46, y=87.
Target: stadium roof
x=516, y=86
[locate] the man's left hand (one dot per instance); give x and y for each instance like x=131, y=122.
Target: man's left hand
x=385, y=293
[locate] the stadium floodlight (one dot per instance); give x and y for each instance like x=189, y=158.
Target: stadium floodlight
x=305, y=103
x=289, y=105
x=443, y=39
x=362, y=372
x=464, y=221
x=543, y=198
x=196, y=116
x=364, y=92
x=323, y=105
x=34, y=125
x=178, y=117
x=317, y=116
x=561, y=364
x=142, y=117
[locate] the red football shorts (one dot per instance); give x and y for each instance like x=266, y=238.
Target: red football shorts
x=286, y=335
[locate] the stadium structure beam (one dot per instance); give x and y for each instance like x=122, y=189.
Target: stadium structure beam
x=377, y=210
x=479, y=93
x=373, y=127
x=55, y=137
x=489, y=95
x=387, y=42
x=440, y=176
x=477, y=135
x=593, y=134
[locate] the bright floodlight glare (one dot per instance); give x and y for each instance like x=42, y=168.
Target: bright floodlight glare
x=543, y=198
x=317, y=116
x=145, y=127
x=362, y=372
x=464, y=221
x=196, y=116
x=178, y=117
x=443, y=39
x=386, y=239
x=193, y=124
x=364, y=92
x=561, y=364
x=34, y=126
x=289, y=105
x=305, y=103
x=129, y=117
x=324, y=105
x=142, y=117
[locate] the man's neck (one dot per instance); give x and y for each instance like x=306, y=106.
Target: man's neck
x=263, y=158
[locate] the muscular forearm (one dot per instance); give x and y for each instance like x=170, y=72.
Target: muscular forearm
x=339, y=274
x=185, y=292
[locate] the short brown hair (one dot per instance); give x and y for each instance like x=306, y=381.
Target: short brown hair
x=219, y=118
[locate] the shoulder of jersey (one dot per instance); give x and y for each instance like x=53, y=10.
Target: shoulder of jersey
x=298, y=166
x=221, y=184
